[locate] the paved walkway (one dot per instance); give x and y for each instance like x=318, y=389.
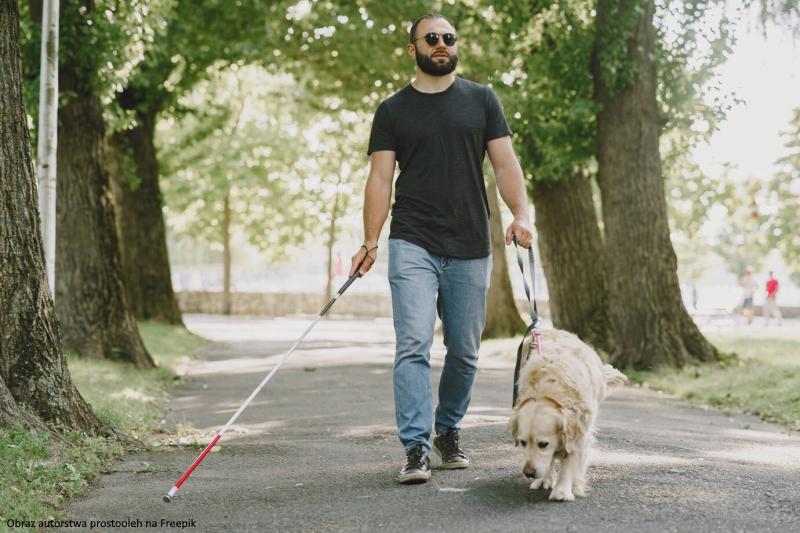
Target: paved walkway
x=317, y=451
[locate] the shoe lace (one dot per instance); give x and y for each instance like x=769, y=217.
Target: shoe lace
x=451, y=438
x=415, y=456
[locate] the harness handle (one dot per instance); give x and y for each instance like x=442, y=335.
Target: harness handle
x=535, y=322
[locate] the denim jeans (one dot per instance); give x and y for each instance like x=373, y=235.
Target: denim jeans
x=423, y=284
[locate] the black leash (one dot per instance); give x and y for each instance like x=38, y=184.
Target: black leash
x=535, y=322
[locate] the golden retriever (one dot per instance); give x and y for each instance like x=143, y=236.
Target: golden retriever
x=560, y=391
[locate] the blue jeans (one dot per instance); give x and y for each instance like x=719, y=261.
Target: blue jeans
x=417, y=277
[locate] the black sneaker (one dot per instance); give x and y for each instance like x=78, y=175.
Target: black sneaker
x=445, y=445
x=417, y=467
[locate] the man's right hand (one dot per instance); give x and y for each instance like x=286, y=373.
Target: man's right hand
x=366, y=261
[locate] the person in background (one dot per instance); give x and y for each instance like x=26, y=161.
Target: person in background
x=749, y=287
x=770, y=306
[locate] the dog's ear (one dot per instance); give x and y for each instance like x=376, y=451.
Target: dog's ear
x=512, y=426
x=570, y=429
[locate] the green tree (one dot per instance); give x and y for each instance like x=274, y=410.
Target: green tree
x=231, y=161
x=101, y=42
x=34, y=378
x=653, y=328
x=548, y=83
x=198, y=37
x=782, y=221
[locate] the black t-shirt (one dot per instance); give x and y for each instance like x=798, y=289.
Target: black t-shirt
x=440, y=141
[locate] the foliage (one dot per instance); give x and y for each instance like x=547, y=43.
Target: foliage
x=782, y=222
x=102, y=42
x=693, y=41
x=199, y=38
x=239, y=139
x=334, y=166
x=316, y=157
x=548, y=84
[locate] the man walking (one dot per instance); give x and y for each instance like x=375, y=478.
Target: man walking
x=749, y=287
x=770, y=305
x=438, y=130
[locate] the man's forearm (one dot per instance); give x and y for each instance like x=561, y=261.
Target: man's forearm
x=511, y=185
x=377, y=196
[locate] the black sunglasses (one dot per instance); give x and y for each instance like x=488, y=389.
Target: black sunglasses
x=432, y=38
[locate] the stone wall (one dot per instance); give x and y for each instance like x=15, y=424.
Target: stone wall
x=273, y=304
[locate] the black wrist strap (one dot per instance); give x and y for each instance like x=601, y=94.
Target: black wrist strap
x=368, y=251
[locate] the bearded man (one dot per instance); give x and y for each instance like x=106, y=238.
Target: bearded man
x=438, y=130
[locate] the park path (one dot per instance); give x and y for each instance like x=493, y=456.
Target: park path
x=317, y=451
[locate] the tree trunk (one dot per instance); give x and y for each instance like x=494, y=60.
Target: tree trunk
x=48, y=128
x=502, y=316
x=653, y=329
x=331, y=241
x=140, y=224
x=33, y=370
x=91, y=295
x=571, y=248
x=226, y=256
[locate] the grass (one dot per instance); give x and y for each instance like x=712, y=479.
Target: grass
x=37, y=473
x=129, y=398
x=760, y=376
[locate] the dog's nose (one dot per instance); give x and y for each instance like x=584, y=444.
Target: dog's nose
x=529, y=472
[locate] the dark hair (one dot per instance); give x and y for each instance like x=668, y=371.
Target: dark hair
x=412, y=34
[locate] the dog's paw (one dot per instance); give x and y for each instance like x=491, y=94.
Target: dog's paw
x=579, y=490
x=538, y=484
x=543, y=483
x=562, y=495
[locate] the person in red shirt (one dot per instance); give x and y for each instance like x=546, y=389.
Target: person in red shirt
x=770, y=307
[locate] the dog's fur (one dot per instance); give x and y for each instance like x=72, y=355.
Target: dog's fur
x=559, y=395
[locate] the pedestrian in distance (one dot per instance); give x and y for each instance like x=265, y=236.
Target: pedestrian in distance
x=438, y=130
x=749, y=287
x=770, y=305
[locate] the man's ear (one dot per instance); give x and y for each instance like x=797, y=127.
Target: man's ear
x=512, y=426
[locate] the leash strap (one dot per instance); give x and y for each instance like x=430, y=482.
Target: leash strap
x=534, y=327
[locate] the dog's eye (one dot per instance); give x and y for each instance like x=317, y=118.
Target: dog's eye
x=522, y=443
x=543, y=445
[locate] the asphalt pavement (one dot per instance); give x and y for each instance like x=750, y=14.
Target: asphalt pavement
x=317, y=451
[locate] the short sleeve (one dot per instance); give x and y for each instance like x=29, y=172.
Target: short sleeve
x=496, y=124
x=382, y=135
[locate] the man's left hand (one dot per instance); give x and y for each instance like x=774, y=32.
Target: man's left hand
x=521, y=227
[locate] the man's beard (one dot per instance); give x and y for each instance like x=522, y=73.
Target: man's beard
x=433, y=67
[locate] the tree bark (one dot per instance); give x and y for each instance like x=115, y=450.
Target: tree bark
x=91, y=294
x=571, y=249
x=331, y=242
x=653, y=329
x=140, y=225
x=226, y=256
x=502, y=316
x=33, y=370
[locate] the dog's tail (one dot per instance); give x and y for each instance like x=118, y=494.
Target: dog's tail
x=614, y=378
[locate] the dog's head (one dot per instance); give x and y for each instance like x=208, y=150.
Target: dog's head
x=546, y=431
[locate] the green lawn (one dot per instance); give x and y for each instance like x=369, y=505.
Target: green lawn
x=760, y=373
x=763, y=378
x=37, y=474
x=129, y=398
